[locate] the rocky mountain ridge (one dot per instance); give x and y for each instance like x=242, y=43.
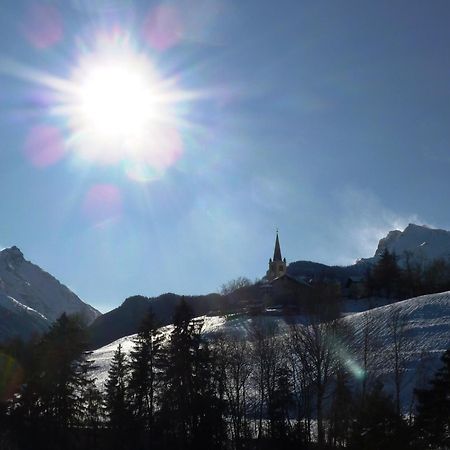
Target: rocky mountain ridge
x=32, y=298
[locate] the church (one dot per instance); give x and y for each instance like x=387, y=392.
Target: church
x=277, y=266
x=283, y=288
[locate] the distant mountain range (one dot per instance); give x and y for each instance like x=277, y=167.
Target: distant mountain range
x=418, y=243
x=31, y=299
x=422, y=242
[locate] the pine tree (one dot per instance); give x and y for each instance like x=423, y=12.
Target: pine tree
x=49, y=400
x=433, y=411
x=376, y=424
x=62, y=356
x=341, y=409
x=191, y=410
x=386, y=275
x=117, y=409
x=91, y=403
x=145, y=373
x=411, y=280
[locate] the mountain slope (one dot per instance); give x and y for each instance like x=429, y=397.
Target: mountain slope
x=318, y=271
x=17, y=320
x=33, y=297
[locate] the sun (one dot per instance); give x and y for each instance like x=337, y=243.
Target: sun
x=116, y=106
x=117, y=101
x=121, y=109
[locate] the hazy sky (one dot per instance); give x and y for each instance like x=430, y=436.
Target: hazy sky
x=329, y=120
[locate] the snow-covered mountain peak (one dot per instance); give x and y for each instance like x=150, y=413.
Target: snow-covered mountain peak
x=11, y=256
x=27, y=289
x=416, y=242
x=11, y=251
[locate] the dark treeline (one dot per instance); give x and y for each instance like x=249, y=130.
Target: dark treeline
x=261, y=389
x=413, y=278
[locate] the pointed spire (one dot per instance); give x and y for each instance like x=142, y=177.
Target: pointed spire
x=277, y=251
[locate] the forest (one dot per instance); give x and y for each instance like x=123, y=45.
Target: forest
x=185, y=390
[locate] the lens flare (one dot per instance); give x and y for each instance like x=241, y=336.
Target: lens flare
x=43, y=25
x=44, y=146
x=163, y=27
x=355, y=369
x=103, y=202
x=10, y=376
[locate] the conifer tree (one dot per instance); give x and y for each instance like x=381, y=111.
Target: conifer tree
x=386, y=274
x=145, y=373
x=433, y=411
x=116, y=388
x=191, y=410
x=341, y=409
x=376, y=424
x=49, y=403
x=62, y=353
x=91, y=404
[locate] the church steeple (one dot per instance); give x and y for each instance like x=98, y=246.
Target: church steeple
x=277, y=251
x=277, y=266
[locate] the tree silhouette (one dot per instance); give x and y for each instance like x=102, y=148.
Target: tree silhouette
x=191, y=412
x=117, y=408
x=145, y=362
x=433, y=410
x=386, y=275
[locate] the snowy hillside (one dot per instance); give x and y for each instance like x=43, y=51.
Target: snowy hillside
x=28, y=292
x=425, y=321
x=423, y=244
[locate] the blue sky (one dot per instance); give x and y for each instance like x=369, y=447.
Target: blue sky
x=328, y=120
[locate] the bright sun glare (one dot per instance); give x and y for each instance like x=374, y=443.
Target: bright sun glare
x=116, y=107
x=116, y=101
x=121, y=109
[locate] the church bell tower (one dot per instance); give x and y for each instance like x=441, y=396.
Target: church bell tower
x=277, y=265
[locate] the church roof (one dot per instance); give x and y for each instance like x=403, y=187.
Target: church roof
x=277, y=251
x=297, y=280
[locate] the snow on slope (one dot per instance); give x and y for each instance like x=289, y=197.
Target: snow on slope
x=36, y=289
x=102, y=357
x=426, y=325
x=17, y=320
x=13, y=305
